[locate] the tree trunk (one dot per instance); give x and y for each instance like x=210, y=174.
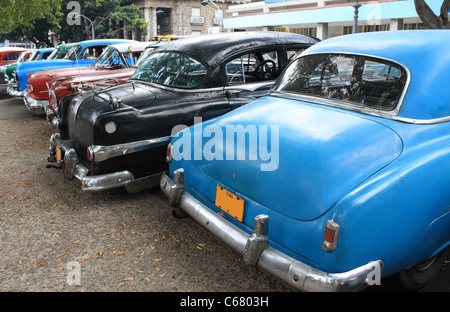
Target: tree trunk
x=429, y=18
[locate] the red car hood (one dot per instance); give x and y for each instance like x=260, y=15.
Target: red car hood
x=62, y=87
x=37, y=82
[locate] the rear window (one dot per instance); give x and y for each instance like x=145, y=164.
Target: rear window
x=354, y=79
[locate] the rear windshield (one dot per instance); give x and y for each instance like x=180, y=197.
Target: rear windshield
x=360, y=80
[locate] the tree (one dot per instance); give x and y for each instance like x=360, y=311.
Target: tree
x=111, y=18
x=429, y=18
x=24, y=13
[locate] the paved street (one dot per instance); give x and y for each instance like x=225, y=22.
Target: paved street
x=116, y=241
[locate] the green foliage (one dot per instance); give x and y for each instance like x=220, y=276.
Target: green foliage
x=25, y=13
x=32, y=19
x=110, y=17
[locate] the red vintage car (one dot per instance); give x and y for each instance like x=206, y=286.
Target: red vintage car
x=114, y=57
x=10, y=55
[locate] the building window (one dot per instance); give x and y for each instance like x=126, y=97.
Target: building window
x=195, y=12
x=310, y=32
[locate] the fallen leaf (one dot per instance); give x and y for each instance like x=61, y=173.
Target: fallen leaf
x=122, y=253
x=139, y=271
x=129, y=279
x=97, y=255
x=40, y=263
x=120, y=284
x=157, y=260
x=76, y=242
x=162, y=275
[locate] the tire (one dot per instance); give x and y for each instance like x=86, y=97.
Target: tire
x=421, y=274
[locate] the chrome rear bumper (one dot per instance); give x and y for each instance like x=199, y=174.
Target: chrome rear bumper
x=255, y=249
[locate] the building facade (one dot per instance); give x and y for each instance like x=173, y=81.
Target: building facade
x=325, y=18
x=184, y=17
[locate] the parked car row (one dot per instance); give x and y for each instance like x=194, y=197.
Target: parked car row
x=326, y=164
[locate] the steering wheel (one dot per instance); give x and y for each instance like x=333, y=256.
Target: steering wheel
x=266, y=69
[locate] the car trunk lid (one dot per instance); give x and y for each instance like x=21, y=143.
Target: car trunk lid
x=315, y=155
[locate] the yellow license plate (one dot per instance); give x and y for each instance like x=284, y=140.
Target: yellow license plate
x=58, y=153
x=230, y=203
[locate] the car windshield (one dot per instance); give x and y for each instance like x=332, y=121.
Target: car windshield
x=54, y=54
x=22, y=57
x=33, y=55
x=73, y=52
x=171, y=69
x=354, y=79
x=110, y=59
x=58, y=53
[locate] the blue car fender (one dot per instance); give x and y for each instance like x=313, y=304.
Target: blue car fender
x=400, y=214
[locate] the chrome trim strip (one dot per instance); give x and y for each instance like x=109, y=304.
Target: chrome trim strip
x=250, y=87
x=294, y=272
x=103, y=152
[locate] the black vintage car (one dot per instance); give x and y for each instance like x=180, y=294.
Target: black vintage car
x=118, y=136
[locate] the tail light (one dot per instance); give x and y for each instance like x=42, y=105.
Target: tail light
x=169, y=153
x=330, y=236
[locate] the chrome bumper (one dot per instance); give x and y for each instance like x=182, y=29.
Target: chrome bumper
x=33, y=104
x=14, y=92
x=74, y=169
x=255, y=249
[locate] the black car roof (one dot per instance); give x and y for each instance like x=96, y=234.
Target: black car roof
x=212, y=49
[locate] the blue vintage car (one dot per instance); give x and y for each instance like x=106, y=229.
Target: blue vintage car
x=340, y=176
x=81, y=54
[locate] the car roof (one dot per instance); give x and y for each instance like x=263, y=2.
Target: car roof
x=104, y=41
x=46, y=49
x=425, y=55
x=401, y=46
x=131, y=46
x=212, y=49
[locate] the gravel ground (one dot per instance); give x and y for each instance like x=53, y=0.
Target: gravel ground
x=51, y=232
x=122, y=241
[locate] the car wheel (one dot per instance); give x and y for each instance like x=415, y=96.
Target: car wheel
x=420, y=275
